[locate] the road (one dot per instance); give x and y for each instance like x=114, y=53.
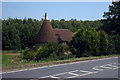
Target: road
x=100, y=68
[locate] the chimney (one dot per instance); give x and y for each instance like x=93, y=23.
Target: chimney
x=46, y=17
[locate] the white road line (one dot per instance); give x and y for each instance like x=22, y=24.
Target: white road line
x=106, y=67
x=117, y=64
x=60, y=74
x=95, y=72
x=43, y=77
x=33, y=79
x=54, y=77
x=113, y=66
x=73, y=74
x=109, y=66
x=97, y=68
x=56, y=65
x=86, y=72
x=74, y=71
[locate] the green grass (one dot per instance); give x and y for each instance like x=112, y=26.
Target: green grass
x=6, y=59
x=10, y=62
x=13, y=62
x=11, y=51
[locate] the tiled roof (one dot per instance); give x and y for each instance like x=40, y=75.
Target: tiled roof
x=65, y=34
x=46, y=33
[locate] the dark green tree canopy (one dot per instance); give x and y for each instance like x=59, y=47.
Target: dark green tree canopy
x=89, y=42
x=18, y=34
x=112, y=21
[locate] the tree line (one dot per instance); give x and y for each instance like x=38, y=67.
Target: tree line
x=18, y=34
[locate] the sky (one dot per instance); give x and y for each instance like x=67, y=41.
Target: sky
x=55, y=10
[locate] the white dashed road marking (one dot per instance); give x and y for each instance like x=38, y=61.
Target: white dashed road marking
x=97, y=68
x=77, y=73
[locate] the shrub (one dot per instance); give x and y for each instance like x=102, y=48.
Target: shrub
x=28, y=55
x=88, y=42
x=48, y=51
x=51, y=50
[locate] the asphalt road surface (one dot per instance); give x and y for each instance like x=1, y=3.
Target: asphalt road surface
x=100, y=68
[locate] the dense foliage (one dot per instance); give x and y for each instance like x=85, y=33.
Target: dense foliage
x=111, y=25
x=73, y=24
x=114, y=44
x=28, y=54
x=18, y=34
x=112, y=21
x=89, y=42
x=50, y=50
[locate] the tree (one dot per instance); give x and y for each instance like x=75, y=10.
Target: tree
x=18, y=33
x=103, y=42
x=10, y=39
x=88, y=42
x=111, y=25
x=112, y=21
x=114, y=44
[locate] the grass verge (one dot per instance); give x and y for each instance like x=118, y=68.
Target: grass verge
x=14, y=62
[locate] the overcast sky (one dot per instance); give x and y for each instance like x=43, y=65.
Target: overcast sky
x=55, y=10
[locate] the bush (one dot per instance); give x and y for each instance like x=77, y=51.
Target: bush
x=48, y=51
x=28, y=55
x=88, y=42
x=51, y=50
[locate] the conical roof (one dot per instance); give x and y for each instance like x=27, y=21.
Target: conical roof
x=46, y=32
